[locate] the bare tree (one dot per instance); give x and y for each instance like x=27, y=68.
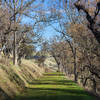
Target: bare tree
x=17, y=8
x=93, y=19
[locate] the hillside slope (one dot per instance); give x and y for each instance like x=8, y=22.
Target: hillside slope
x=13, y=79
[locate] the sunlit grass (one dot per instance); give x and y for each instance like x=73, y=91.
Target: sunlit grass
x=54, y=86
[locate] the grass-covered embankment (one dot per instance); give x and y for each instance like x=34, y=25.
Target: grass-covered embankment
x=54, y=86
x=14, y=79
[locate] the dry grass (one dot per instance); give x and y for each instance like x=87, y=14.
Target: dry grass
x=51, y=63
x=13, y=79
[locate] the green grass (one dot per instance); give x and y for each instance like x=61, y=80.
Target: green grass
x=54, y=86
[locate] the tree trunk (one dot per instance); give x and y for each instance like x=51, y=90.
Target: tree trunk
x=14, y=50
x=75, y=66
x=14, y=41
x=94, y=86
x=58, y=63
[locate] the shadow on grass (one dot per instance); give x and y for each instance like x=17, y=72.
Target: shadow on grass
x=55, y=94
x=54, y=82
x=60, y=91
x=3, y=95
x=58, y=74
x=64, y=97
x=54, y=88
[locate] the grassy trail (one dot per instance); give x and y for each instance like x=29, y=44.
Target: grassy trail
x=54, y=86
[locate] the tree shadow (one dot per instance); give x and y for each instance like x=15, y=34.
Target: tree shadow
x=55, y=94
x=4, y=95
x=54, y=89
x=57, y=74
x=54, y=82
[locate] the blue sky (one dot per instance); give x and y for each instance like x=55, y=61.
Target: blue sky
x=48, y=32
